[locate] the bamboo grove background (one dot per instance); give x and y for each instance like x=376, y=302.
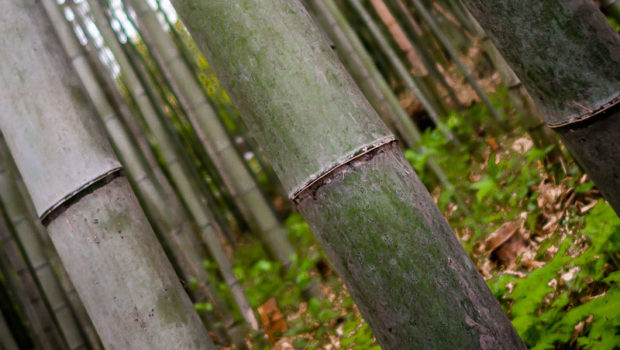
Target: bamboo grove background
x=534, y=224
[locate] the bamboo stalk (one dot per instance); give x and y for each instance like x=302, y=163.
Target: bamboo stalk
x=402, y=71
x=414, y=32
x=237, y=131
x=13, y=313
x=77, y=308
x=447, y=45
x=530, y=116
x=28, y=240
x=197, y=208
x=92, y=216
x=214, y=138
x=568, y=59
x=21, y=282
x=359, y=63
x=174, y=234
x=160, y=98
x=79, y=311
x=418, y=70
x=6, y=338
x=389, y=243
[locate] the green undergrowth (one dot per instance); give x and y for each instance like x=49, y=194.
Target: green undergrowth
x=561, y=292
x=567, y=296
x=573, y=301
x=310, y=324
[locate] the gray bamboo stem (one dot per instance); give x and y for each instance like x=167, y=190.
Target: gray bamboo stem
x=166, y=210
x=198, y=209
x=94, y=220
x=389, y=243
x=213, y=136
x=529, y=115
x=567, y=58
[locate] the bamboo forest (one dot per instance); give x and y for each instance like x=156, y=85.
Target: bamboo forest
x=309, y=174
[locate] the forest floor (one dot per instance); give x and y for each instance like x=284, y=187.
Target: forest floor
x=539, y=232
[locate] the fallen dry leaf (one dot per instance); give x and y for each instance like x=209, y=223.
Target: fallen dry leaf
x=272, y=319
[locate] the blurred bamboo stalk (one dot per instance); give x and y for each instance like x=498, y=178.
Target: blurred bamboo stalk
x=162, y=209
x=414, y=33
x=190, y=195
x=28, y=295
x=213, y=136
x=418, y=69
x=6, y=338
x=447, y=45
x=27, y=238
x=402, y=71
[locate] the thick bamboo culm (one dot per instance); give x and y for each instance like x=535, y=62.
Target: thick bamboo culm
x=350, y=181
x=177, y=170
x=362, y=68
x=529, y=115
x=574, y=79
x=93, y=218
x=177, y=236
x=213, y=136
